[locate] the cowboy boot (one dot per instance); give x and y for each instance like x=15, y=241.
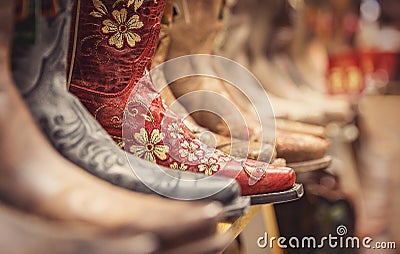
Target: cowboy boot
x=203, y=20
x=40, y=74
x=234, y=147
x=309, y=145
x=41, y=235
x=75, y=133
x=235, y=46
x=44, y=236
x=36, y=178
x=190, y=18
x=287, y=99
x=289, y=145
x=277, y=82
x=299, y=127
x=128, y=34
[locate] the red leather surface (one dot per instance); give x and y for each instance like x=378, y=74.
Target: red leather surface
x=104, y=74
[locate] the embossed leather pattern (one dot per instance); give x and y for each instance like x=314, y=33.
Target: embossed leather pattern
x=114, y=44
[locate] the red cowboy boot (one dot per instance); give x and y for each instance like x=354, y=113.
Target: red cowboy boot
x=112, y=45
x=112, y=48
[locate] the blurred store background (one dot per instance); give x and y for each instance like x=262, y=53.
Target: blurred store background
x=347, y=49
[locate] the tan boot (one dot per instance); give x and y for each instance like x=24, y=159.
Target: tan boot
x=182, y=87
x=246, y=48
x=281, y=84
x=238, y=148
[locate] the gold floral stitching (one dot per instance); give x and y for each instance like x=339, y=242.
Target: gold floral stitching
x=176, y=166
x=150, y=148
x=101, y=9
x=120, y=28
x=95, y=51
x=136, y=3
x=133, y=111
x=115, y=121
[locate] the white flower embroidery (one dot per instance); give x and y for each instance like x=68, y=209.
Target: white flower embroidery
x=175, y=131
x=175, y=165
x=149, y=148
x=222, y=157
x=209, y=166
x=191, y=150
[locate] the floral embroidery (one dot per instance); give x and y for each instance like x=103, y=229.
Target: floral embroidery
x=209, y=166
x=137, y=3
x=175, y=131
x=222, y=157
x=191, y=150
x=101, y=9
x=122, y=29
x=149, y=148
x=175, y=165
x=132, y=109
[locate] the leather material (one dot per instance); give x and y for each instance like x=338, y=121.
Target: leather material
x=121, y=64
x=241, y=149
x=204, y=19
x=297, y=147
x=41, y=235
x=294, y=147
x=40, y=74
x=201, y=20
x=181, y=45
x=246, y=47
x=238, y=148
x=158, y=135
x=299, y=127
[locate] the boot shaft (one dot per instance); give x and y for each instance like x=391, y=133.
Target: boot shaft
x=112, y=43
x=50, y=32
x=195, y=26
x=112, y=46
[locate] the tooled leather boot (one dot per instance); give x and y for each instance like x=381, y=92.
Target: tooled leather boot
x=111, y=50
